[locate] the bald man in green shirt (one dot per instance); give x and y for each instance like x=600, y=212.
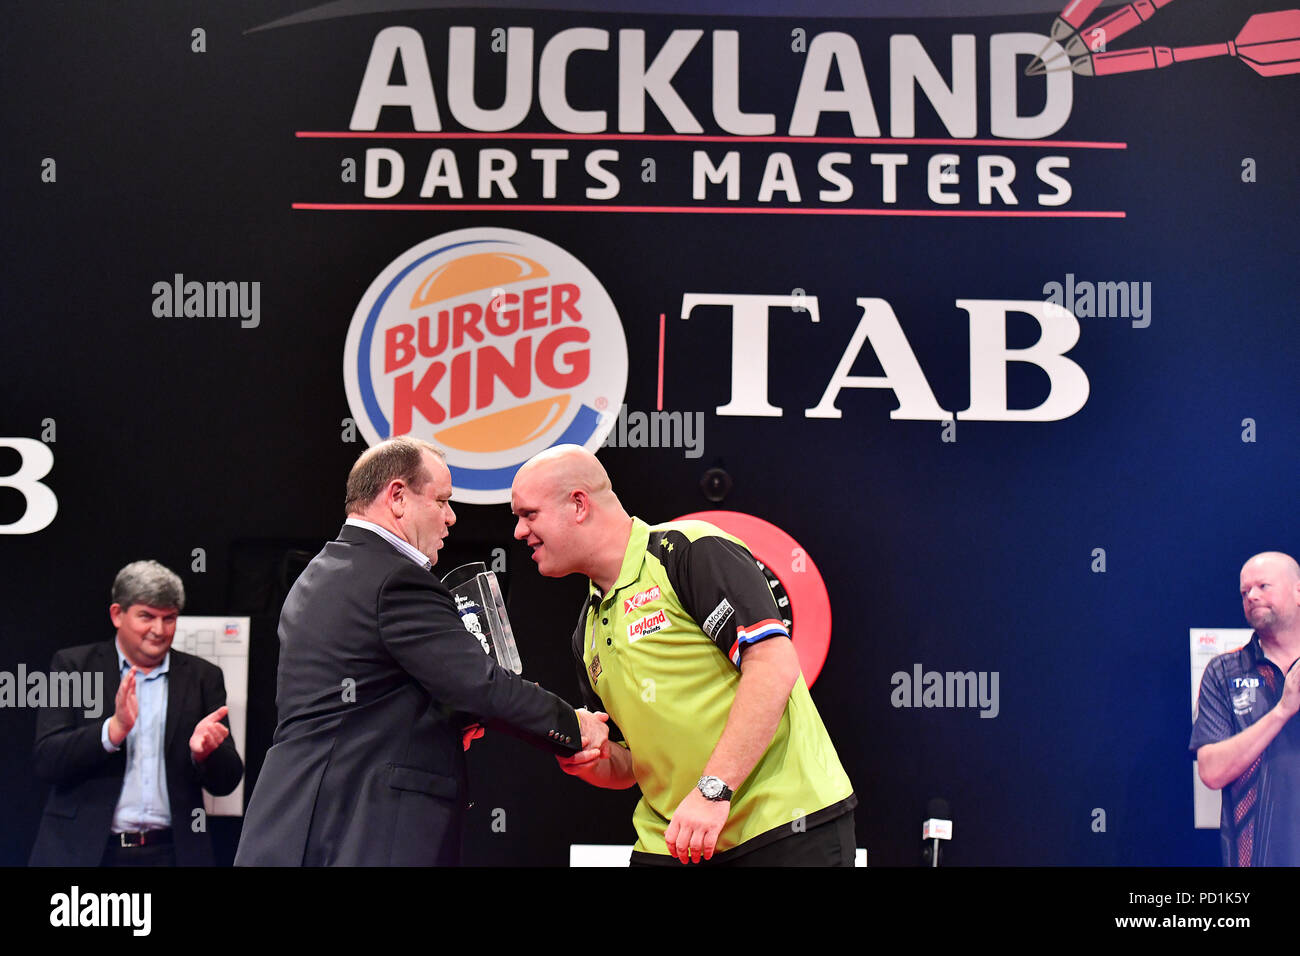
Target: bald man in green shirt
x=682, y=644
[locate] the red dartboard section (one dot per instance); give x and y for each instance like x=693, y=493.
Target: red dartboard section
x=792, y=574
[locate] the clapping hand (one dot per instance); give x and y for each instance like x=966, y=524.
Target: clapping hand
x=208, y=734
x=126, y=707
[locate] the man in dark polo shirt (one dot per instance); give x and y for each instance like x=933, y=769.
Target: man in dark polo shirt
x=1244, y=739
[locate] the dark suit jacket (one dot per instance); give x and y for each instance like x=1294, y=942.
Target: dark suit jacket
x=88, y=781
x=377, y=677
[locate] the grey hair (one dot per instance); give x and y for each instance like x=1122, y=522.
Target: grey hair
x=148, y=582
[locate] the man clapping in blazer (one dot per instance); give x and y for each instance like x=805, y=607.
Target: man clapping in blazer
x=127, y=790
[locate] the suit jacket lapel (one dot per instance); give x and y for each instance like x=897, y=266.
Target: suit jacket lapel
x=177, y=672
x=104, y=661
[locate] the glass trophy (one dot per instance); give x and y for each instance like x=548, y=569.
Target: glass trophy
x=478, y=601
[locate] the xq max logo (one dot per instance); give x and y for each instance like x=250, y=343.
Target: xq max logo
x=36, y=460
x=640, y=599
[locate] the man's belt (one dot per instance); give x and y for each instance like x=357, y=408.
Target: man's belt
x=141, y=838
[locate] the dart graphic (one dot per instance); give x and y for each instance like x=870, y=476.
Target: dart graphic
x=1269, y=44
x=1116, y=25
x=1070, y=20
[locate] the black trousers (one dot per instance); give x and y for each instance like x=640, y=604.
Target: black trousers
x=832, y=843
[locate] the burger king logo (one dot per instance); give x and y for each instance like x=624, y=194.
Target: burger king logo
x=492, y=343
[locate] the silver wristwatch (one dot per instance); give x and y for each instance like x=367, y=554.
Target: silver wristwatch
x=714, y=789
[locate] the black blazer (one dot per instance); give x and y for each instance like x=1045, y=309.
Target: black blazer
x=88, y=781
x=377, y=678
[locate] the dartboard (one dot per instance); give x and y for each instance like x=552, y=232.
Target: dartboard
x=796, y=584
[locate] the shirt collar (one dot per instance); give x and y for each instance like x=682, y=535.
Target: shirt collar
x=1254, y=649
x=405, y=547
x=1255, y=655
x=123, y=664
x=633, y=558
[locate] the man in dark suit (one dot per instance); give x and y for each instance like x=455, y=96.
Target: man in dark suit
x=378, y=681
x=126, y=789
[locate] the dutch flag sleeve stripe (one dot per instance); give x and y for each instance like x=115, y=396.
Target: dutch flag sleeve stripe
x=763, y=629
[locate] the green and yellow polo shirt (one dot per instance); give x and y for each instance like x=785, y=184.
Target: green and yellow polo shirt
x=660, y=654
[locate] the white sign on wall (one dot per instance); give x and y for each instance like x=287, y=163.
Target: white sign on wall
x=222, y=641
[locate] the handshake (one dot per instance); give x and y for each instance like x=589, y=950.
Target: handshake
x=595, y=740
x=598, y=763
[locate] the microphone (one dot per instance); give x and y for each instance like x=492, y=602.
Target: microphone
x=937, y=826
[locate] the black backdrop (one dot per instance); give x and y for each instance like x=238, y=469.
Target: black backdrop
x=173, y=434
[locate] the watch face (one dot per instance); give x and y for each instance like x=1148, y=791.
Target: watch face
x=712, y=788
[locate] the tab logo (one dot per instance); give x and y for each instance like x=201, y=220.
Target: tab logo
x=1245, y=682
x=493, y=343
x=641, y=599
x=36, y=461
x=646, y=625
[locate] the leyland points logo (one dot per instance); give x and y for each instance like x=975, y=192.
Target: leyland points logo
x=492, y=343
